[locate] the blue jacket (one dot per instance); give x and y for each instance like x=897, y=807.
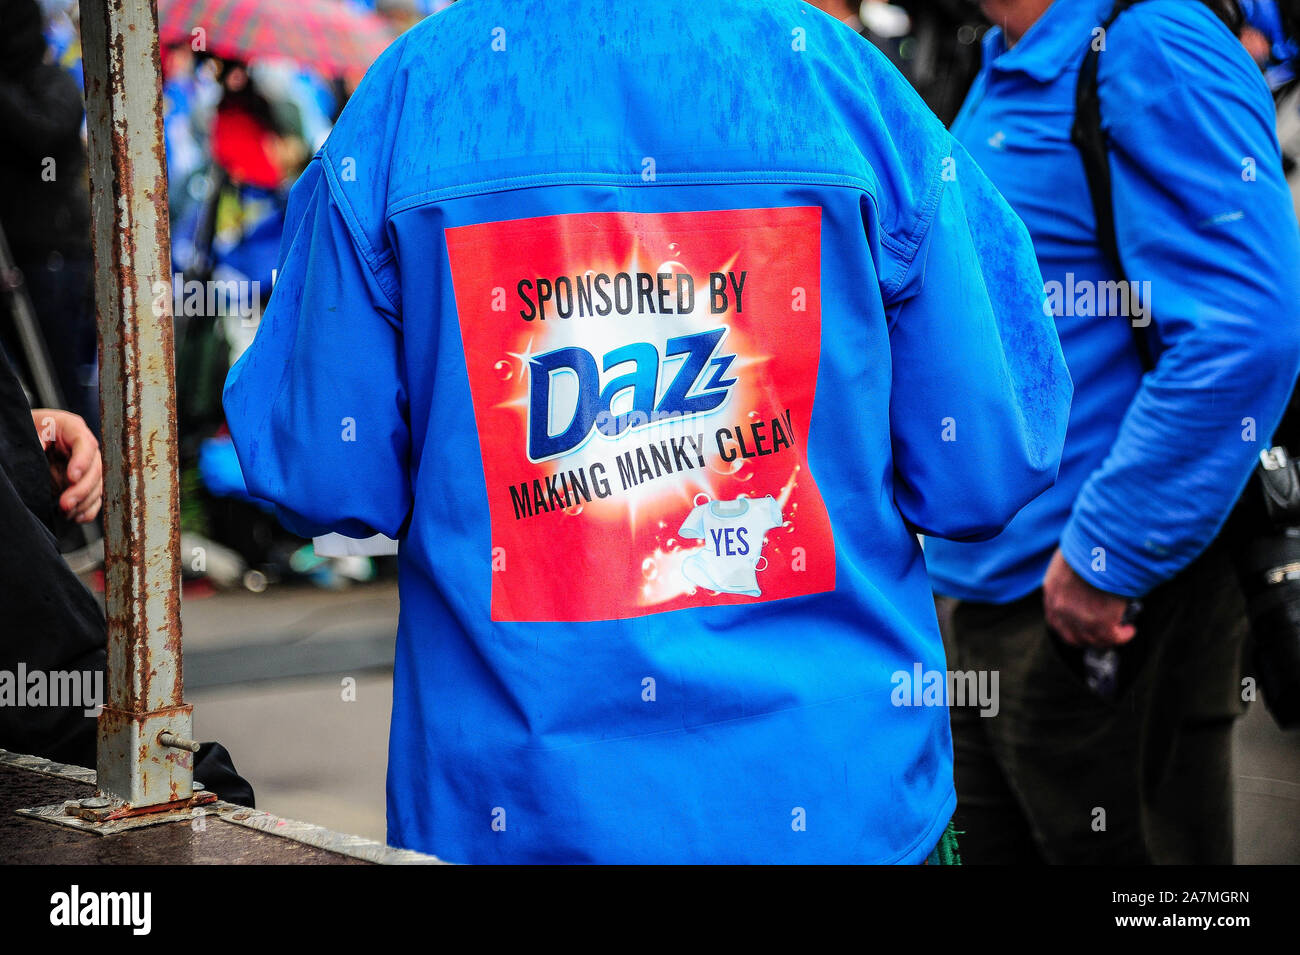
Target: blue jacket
x=655, y=340
x=1204, y=222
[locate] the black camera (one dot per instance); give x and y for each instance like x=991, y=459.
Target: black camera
x=1268, y=569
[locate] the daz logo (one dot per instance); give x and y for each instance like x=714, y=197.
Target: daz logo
x=570, y=377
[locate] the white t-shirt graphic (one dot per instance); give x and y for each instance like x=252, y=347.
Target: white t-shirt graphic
x=732, y=532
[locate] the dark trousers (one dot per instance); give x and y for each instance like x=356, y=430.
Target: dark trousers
x=1062, y=775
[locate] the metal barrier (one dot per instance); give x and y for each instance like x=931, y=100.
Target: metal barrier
x=145, y=751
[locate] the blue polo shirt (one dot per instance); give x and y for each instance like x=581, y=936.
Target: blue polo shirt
x=557, y=282
x=1204, y=220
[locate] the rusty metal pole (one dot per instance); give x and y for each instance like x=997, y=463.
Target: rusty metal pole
x=128, y=177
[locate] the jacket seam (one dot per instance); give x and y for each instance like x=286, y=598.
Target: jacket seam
x=373, y=261
x=912, y=244
x=735, y=177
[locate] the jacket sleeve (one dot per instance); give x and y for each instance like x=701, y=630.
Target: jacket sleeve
x=980, y=392
x=317, y=405
x=1204, y=216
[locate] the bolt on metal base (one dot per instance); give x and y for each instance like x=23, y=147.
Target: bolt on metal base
x=103, y=814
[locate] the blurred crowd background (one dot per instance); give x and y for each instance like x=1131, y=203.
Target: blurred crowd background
x=244, y=110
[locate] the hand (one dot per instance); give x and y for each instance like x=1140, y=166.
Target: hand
x=1083, y=615
x=75, y=466
x=1257, y=45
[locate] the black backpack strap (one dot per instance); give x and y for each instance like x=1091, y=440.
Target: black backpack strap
x=1094, y=149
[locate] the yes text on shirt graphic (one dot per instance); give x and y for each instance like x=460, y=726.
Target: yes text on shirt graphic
x=643, y=385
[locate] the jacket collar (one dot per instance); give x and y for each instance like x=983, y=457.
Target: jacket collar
x=1053, y=44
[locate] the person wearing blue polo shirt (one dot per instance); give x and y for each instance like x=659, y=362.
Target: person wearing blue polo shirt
x=1115, y=622
x=558, y=282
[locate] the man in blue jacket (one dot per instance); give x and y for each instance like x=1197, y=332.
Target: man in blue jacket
x=654, y=340
x=1113, y=738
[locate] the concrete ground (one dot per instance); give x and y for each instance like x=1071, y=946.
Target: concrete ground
x=1267, y=762
x=297, y=683
x=267, y=676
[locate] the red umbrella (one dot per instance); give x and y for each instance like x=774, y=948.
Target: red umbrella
x=328, y=35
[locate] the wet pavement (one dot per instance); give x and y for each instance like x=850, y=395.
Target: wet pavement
x=196, y=839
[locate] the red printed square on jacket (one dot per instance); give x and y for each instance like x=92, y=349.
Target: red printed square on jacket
x=643, y=385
